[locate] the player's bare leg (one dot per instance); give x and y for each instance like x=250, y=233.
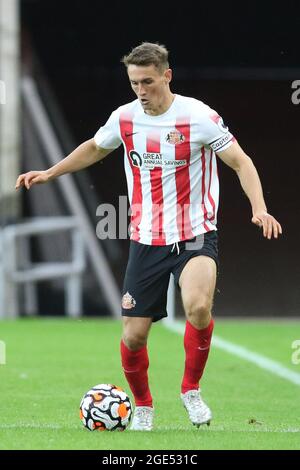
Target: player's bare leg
x=135, y=364
x=135, y=331
x=197, y=282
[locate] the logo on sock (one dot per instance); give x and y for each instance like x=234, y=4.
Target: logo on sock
x=203, y=347
x=128, y=301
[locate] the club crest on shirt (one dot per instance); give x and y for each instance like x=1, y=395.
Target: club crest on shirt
x=128, y=301
x=175, y=138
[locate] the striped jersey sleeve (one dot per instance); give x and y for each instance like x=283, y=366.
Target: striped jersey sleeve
x=108, y=136
x=214, y=133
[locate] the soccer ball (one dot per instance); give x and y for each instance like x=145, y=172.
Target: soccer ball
x=105, y=408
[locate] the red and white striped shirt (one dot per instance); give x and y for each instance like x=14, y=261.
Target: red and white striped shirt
x=170, y=166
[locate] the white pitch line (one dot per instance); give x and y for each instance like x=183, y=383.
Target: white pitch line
x=261, y=361
x=175, y=428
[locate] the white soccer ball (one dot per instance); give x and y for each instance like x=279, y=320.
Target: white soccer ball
x=105, y=407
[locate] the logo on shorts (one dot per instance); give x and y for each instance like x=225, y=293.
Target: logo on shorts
x=128, y=301
x=175, y=138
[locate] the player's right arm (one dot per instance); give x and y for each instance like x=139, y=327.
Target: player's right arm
x=83, y=156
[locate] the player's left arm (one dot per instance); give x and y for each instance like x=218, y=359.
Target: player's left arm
x=235, y=158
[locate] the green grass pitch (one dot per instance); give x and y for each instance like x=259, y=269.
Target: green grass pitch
x=51, y=363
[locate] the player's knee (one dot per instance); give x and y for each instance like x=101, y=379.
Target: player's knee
x=199, y=310
x=134, y=341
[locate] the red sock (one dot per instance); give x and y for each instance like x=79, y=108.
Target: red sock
x=195, y=358
x=135, y=365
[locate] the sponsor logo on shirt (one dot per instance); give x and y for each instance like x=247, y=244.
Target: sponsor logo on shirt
x=175, y=138
x=149, y=161
x=135, y=158
x=129, y=134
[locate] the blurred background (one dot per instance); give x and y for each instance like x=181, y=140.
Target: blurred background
x=61, y=77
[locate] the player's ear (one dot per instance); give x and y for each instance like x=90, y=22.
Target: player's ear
x=168, y=75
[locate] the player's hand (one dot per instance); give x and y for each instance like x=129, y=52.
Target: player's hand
x=271, y=227
x=31, y=178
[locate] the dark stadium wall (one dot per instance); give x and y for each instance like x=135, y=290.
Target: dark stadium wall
x=80, y=50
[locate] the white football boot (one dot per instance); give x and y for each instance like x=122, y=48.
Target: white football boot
x=198, y=411
x=142, y=418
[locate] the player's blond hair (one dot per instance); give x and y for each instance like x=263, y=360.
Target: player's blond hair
x=148, y=53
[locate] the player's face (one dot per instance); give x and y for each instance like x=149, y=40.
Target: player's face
x=151, y=86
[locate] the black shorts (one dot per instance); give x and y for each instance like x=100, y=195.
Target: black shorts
x=148, y=273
